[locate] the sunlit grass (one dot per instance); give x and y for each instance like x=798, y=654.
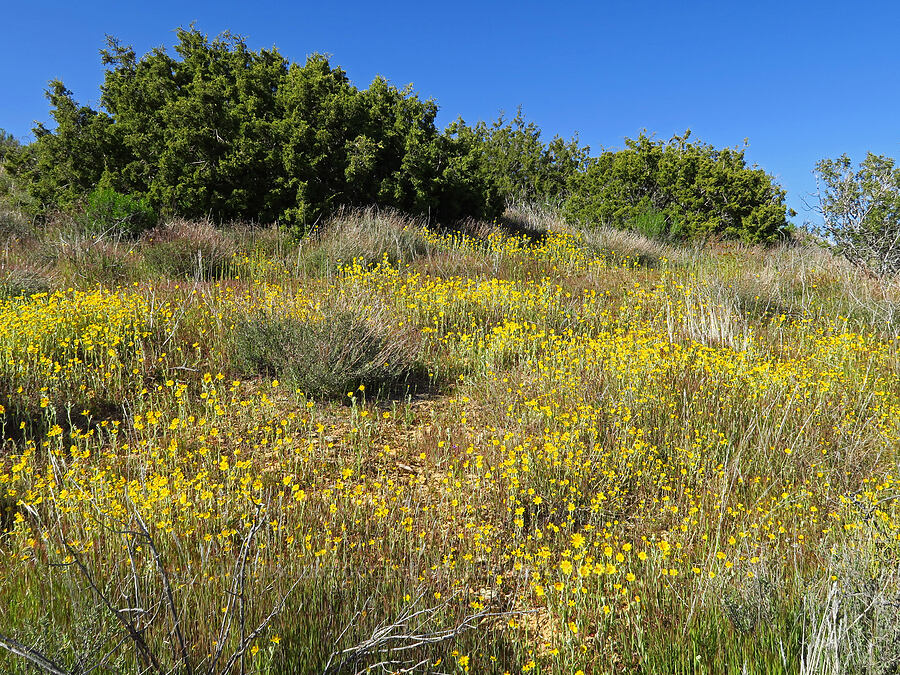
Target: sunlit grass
x=635, y=466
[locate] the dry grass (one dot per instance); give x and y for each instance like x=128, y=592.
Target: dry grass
x=633, y=457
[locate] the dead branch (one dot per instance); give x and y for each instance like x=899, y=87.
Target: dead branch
x=132, y=618
x=236, y=593
x=167, y=586
x=391, y=640
x=32, y=655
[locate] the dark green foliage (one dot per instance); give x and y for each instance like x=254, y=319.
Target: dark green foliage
x=678, y=189
x=328, y=357
x=515, y=159
x=107, y=212
x=62, y=166
x=14, y=200
x=652, y=224
x=861, y=211
x=8, y=143
x=224, y=132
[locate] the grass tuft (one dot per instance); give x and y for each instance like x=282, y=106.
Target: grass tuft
x=331, y=352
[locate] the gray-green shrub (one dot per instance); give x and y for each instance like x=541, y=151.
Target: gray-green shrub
x=327, y=357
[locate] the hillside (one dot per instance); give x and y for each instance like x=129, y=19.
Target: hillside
x=511, y=447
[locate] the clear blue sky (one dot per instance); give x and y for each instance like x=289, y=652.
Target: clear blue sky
x=800, y=80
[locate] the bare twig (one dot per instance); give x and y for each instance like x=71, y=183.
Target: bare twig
x=133, y=619
x=255, y=633
x=32, y=655
x=134, y=633
x=236, y=591
x=391, y=640
x=170, y=598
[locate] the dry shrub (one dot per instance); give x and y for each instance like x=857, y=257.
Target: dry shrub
x=62, y=251
x=619, y=246
x=329, y=353
x=707, y=314
x=183, y=249
x=524, y=217
x=369, y=235
x=797, y=279
x=627, y=247
x=271, y=241
x=456, y=263
x=852, y=624
x=87, y=262
x=13, y=224
x=24, y=283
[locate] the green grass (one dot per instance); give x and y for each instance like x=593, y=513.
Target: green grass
x=721, y=417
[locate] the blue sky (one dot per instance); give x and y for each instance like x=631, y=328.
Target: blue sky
x=800, y=80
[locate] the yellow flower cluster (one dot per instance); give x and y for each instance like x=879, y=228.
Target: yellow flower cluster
x=609, y=455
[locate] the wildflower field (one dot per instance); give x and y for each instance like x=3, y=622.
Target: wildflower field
x=384, y=448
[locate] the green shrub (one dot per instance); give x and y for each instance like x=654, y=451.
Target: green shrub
x=655, y=225
x=328, y=356
x=110, y=213
x=694, y=189
x=15, y=203
x=524, y=169
x=221, y=131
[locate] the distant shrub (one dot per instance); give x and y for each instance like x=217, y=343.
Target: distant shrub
x=8, y=144
x=328, y=356
x=524, y=168
x=678, y=189
x=14, y=199
x=369, y=235
x=111, y=213
x=861, y=211
x=654, y=225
